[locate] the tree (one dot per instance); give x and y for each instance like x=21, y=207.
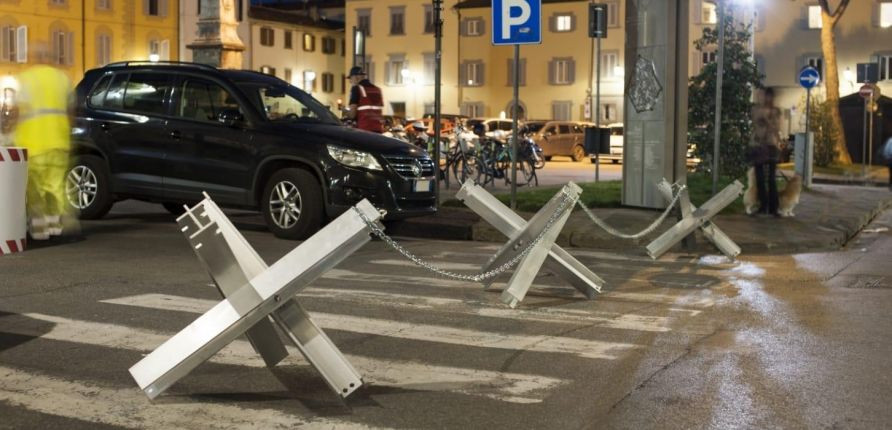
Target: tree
x=826, y=133
x=739, y=78
x=831, y=73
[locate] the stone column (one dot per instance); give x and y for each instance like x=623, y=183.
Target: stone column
x=656, y=98
x=217, y=42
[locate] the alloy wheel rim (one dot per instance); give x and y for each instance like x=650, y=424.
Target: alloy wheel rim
x=81, y=187
x=285, y=204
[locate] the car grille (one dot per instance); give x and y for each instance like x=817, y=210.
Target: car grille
x=403, y=166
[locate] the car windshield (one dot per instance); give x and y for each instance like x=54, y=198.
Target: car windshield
x=286, y=103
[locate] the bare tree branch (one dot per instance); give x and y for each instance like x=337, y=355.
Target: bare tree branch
x=836, y=14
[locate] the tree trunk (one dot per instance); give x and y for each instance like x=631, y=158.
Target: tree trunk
x=831, y=84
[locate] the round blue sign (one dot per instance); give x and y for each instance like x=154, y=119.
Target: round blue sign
x=809, y=77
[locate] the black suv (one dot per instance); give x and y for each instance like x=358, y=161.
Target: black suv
x=166, y=132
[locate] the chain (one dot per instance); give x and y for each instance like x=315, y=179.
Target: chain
x=567, y=200
x=641, y=233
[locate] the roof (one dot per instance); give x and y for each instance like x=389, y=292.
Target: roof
x=471, y=4
x=289, y=17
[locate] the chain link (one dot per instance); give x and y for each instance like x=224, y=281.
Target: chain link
x=677, y=187
x=567, y=200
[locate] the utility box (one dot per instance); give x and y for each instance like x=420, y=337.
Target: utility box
x=597, y=140
x=804, y=156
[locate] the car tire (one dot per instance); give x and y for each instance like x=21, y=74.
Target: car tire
x=547, y=158
x=291, y=193
x=88, y=188
x=578, y=153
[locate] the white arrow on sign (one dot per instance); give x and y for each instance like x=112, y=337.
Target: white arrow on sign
x=810, y=78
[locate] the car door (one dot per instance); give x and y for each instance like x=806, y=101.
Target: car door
x=565, y=139
x=204, y=154
x=550, y=140
x=129, y=123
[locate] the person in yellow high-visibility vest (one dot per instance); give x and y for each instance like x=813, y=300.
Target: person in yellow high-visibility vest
x=44, y=129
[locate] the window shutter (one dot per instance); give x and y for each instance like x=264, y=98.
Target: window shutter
x=551, y=67
x=5, y=35
x=463, y=27
x=162, y=7
x=56, y=47
x=571, y=74
x=145, y=6
x=387, y=66
x=165, y=50
x=69, y=48
x=463, y=75
x=481, y=27
x=573, y=22
x=481, y=74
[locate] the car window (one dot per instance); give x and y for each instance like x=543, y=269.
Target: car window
x=616, y=131
x=565, y=129
x=505, y=125
x=577, y=129
x=97, y=96
x=534, y=127
x=145, y=93
x=111, y=95
x=549, y=130
x=492, y=126
x=202, y=100
x=287, y=103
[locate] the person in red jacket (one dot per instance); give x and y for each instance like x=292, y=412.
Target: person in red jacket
x=366, y=102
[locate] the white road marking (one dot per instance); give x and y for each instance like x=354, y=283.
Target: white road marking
x=504, y=386
x=421, y=332
x=130, y=408
x=672, y=299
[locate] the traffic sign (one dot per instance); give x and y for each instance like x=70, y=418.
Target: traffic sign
x=516, y=22
x=809, y=77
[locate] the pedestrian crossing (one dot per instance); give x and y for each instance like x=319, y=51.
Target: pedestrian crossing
x=394, y=297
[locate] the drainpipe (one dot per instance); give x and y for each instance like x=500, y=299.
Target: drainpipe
x=83, y=38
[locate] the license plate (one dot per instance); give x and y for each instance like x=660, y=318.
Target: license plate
x=423, y=186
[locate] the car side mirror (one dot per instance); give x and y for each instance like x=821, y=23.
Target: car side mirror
x=230, y=117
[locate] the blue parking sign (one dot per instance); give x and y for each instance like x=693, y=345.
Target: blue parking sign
x=516, y=22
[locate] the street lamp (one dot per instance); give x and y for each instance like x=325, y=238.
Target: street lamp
x=154, y=58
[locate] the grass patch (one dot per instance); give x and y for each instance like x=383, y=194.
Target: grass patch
x=608, y=194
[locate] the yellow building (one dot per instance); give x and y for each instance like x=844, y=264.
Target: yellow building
x=84, y=34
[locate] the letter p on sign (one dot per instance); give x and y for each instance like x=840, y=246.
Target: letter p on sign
x=516, y=22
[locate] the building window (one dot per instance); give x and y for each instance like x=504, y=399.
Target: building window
x=155, y=7
x=609, y=65
x=57, y=2
x=562, y=23
x=103, y=49
x=885, y=66
x=472, y=74
x=309, y=42
x=814, y=17
x=63, y=47
x=328, y=45
x=369, y=67
x=707, y=57
x=472, y=109
x=364, y=21
x=886, y=14
x=430, y=68
x=523, y=72
x=267, y=36
x=608, y=112
x=472, y=27
x=428, y=18
x=343, y=83
x=309, y=80
x=159, y=49
x=817, y=63
x=398, y=109
x=327, y=82
x=397, y=21
x=14, y=44
x=562, y=71
x=287, y=75
x=287, y=38
x=267, y=70
x=708, y=13
x=560, y=111
x=106, y=4
x=395, y=67
x=239, y=9
x=613, y=13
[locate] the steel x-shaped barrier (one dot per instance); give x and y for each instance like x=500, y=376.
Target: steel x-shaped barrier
x=521, y=233
x=693, y=218
x=257, y=298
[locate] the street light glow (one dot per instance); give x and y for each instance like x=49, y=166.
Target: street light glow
x=154, y=58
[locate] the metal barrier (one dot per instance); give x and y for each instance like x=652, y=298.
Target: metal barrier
x=549, y=220
x=256, y=297
x=693, y=218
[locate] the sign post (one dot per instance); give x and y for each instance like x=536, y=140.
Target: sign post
x=438, y=71
x=516, y=22
x=809, y=77
x=870, y=92
x=597, y=29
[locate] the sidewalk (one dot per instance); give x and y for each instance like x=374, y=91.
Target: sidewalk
x=826, y=218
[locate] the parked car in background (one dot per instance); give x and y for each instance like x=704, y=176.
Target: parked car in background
x=558, y=138
x=616, y=144
x=493, y=125
x=167, y=132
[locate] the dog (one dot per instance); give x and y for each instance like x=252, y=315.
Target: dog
x=788, y=198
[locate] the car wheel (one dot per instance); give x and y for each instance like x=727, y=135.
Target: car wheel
x=547, y=158
x=615, y=161
x=292, y=204
x=578, y=153
x=88, y=188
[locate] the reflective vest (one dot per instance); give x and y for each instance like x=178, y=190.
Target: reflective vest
x=43, y=110
x=368, y=111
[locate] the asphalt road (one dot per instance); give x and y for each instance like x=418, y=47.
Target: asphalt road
x=793, y=341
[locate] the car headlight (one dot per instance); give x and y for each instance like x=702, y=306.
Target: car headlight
x=353, y=158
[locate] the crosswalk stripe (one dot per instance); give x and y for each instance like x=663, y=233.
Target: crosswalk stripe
x=567, y=316
x=503, y=386
x=131, y=409
x=421, y=332
x=685, y=298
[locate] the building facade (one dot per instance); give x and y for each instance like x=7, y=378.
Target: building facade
x=85, y=34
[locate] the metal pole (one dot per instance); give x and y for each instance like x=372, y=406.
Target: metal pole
x=514, y=110
x=864, y=144
x=720, y=59
x=870, y=131
x=598, y=110
x=438, y=46
x=807, y=109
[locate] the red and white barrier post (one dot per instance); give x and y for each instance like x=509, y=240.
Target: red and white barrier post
x=13, y=185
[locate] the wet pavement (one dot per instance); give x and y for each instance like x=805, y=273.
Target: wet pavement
x=689, y=341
